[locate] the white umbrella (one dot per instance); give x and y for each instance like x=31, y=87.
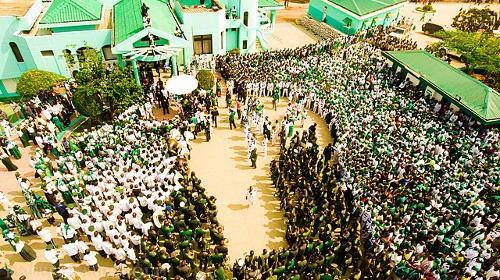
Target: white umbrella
x=182, y=84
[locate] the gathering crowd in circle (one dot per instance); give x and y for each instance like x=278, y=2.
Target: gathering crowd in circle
x=408, y=188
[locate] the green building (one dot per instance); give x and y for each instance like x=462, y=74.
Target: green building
x=350, y=16
x=51, y=36
x=442, y=81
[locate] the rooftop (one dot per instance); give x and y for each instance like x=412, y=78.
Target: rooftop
x=16, y=8
x=128, y=18
x=472, y=96
x=65, y=11
x=364, y=7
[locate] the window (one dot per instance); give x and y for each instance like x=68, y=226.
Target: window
x=245, y=18
x=245, y=44
x=106, y=52
x=16, y=52
x=47, y=53
x=202, y=44
x=222, y=40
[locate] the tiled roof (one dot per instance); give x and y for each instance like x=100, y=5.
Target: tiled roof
x=364, y=7
x=64, y=11
x=128, y=18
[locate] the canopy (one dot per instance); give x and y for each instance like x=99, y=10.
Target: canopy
x=182, y=84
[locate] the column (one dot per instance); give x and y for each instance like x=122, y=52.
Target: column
x=174, y=65
x=185, y=60
x=119, y=58
x=136, y=72
x=273, y=18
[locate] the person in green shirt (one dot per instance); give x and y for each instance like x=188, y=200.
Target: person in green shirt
x=231, y=119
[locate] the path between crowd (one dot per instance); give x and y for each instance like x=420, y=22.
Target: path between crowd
x=223, y=167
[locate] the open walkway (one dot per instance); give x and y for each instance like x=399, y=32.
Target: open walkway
x=225, y=172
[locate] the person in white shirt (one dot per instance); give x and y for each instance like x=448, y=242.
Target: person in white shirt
x=45, y=235
x=72, y=251
x=120, y=254
x=89, y=257
x=107, y=247
x=52, y=256
x=97, y=241
x=67, y=233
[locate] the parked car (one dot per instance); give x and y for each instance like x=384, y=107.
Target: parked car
x=398, y=32
x=431, y=28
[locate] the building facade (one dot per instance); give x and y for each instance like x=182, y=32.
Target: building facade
x=350, y=16
x=51, y=36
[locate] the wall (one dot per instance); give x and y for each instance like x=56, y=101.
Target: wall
x=57, y=42
x=249, y=33
x=9, y=67
x=204, y=24
x=231, y=39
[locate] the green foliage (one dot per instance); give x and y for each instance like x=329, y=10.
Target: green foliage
x=70, y=60
x=85, y=102
x=34, y=82
x=102, y=94
x=426, y=9
x=438, y=49
x=205, y=79
x=479, y=51
x=475, y=19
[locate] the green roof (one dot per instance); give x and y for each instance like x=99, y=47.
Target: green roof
x=269, y=4
x=469, y=94
x=364, y=7
x=128, y=18
x=64, y=11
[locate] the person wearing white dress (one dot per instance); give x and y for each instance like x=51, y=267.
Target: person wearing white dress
x=251, y=196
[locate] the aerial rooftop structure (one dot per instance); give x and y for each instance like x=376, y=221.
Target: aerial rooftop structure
x=470, y=95
x=52, y=36
x=350, y=16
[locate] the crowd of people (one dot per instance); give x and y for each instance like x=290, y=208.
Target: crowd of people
x=412, y=182
x=386, y=40
x=43, y=118
x=124, y=191
x=407, y=188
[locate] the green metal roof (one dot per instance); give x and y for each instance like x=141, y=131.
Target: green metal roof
x=269, y=4
x=63, y=11
x=364, y=7
x=128, y=18
x=472, y=96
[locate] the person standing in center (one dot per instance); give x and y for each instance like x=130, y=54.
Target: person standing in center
x=214, y=112
x=231, y=119
x=251, y=196
x=253, y=157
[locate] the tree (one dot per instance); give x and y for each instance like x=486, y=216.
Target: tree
x=85, y=102
x=35, y=82
x=205, y=79
x=475, y=19
x=478, y=50
x=101, y=93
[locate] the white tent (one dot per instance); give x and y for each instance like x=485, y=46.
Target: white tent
x=182, y=84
